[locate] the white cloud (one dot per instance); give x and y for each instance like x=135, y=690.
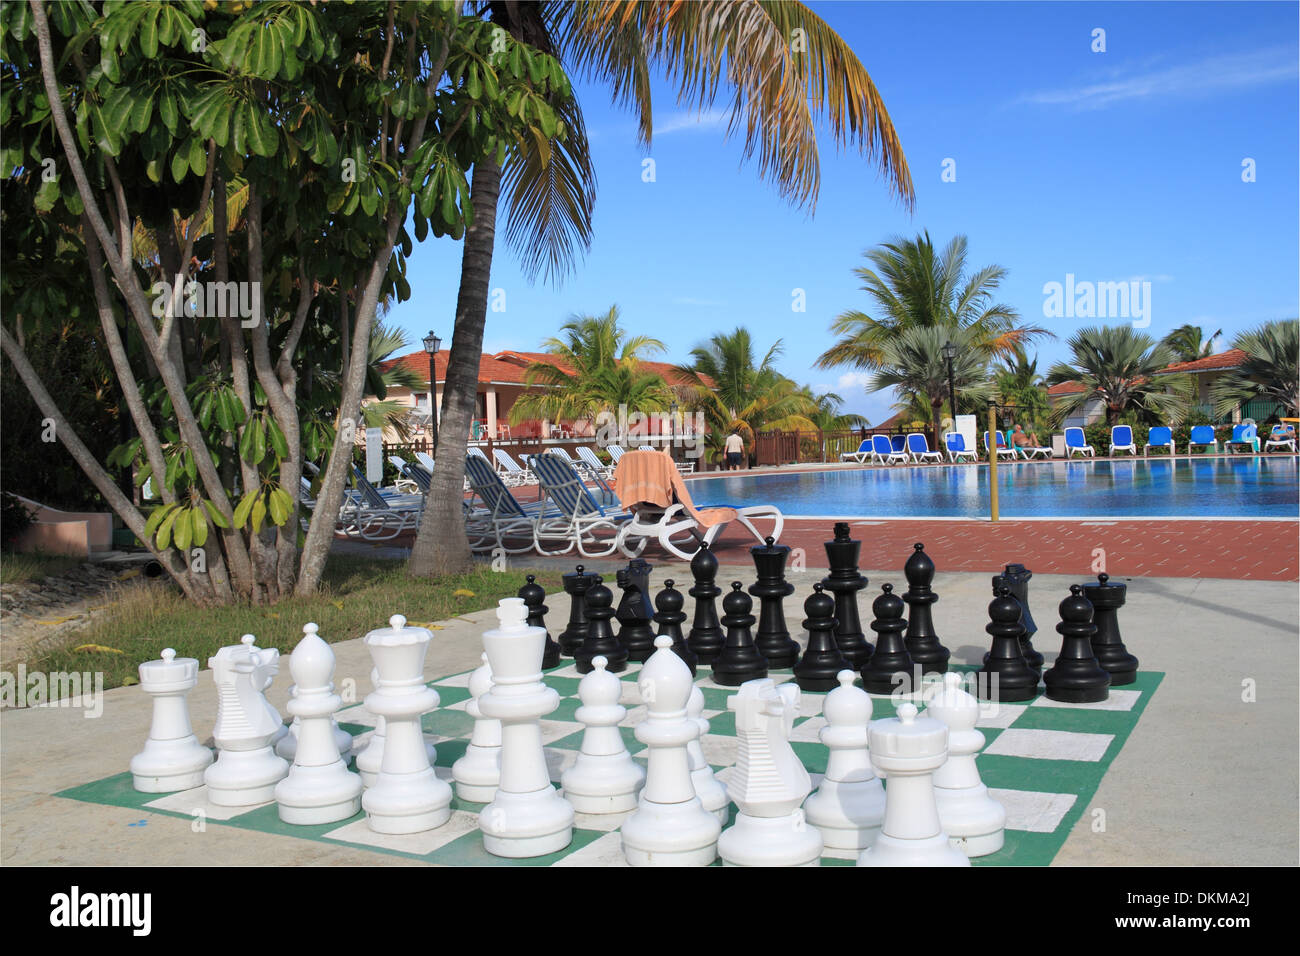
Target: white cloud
x=851, y=380
x=1229, y=71
x=686, y=122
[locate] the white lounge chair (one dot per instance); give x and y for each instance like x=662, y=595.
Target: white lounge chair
x=1278, y=436
x=1121, y=439
x=510, y=471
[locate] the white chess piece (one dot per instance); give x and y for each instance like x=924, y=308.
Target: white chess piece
x=247, y=768
x=407, y=796
x=527, y=817
x=906, y=750
x=670, y=826
x=712, y=794
x=319, y=788
x=371, y=757
x=768, y=783
x=172, y=759
x=478, y=772
x=287, y=745
x=605, y=778
x=974, y=821
x=849, y=807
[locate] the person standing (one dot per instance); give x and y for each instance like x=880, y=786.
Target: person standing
x=734, y=449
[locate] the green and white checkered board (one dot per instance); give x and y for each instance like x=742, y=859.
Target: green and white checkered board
x=1043, y=762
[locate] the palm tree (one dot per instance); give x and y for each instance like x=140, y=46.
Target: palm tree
x=913, y=287
x=1269, y=372
x=1116, y=364
x=1018, y=383
x=597, y=368
x=826, y=414
x=913, y=363
x=1188, y=343
x=779, y=93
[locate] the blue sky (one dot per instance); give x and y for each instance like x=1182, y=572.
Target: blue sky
x=1108, y=166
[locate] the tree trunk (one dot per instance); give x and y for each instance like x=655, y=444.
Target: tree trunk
x=441, y=547
x=936, y=413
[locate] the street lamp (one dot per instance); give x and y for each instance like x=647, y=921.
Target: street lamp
x=431, y=345
x=950, y=353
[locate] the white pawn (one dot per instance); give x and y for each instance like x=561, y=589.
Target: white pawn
x=527, y=817
x=712, y=794
x=478, y=772
x=287, y=745
x=172, y=759
x=319, y=788
x=974, y=821
x=768, y=783
x=670, y=826
x=247, y=768
x=371, y=758
x=849, y=807
x=407, y=796
x=605, y=778
x=906, y=750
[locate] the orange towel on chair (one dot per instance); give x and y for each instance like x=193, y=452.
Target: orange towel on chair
x=650, y=477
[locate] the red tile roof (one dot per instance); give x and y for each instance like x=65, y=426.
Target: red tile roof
x=1233, y=358
x=509, y=367
x=1065, y=388
x=524, y=359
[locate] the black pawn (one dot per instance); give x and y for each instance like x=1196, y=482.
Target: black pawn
x=669, y=616
x=1005, y=676
x=822, y=661
x=890, y=658
x=1076, y=677
x=534, y=596
x=922, y=643
x=634, y=611
x=773, y=638
x=600, y=641
x=740, y=660
x=1106, y=600
x=705, y=638
x=845, y=582
x=576, y=585
x=1015, y=578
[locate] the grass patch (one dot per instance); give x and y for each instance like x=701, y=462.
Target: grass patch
x=24, y=568
x=357, y=595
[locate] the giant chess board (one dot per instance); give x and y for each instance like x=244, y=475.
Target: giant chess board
x=1043, y=761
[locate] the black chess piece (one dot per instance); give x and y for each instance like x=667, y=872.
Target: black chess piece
x=845, y=582
x=576, y=585
x=1015, y=577
x=773, y=638
x=634, y=611
x=534, y=596
x=1005, y=676
x=891, y=657
x=705, y=638
x=740, y=660
x=669, y=616
x=1076, y=677
x=817, y=671
x=1106, y=600
x=922, y=643
x=600, y=641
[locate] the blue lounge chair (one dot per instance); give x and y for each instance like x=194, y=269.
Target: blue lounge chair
x=1162, y=436
x=1074, y=441
x=883, y=451
x=1203, y=435
x=501, y=516
x=1121, y=439
x=861, y=455
x=919, y=449
x=1003, y=450
x=1244, y=434
x=955, y=442
x=577, y=516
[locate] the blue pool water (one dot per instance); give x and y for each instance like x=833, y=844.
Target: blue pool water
x=1244, y=487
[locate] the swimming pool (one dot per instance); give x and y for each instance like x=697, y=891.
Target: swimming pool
x=1244, y=487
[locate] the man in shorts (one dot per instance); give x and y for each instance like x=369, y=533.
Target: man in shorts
x=735, y=449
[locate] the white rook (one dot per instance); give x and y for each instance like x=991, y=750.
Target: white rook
x=172, y=759
x=407, y=796
x=527, y=817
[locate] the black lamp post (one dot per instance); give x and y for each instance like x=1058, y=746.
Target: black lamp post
x=431, y=345
x=950, y=353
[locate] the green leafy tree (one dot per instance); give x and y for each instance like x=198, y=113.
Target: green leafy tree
x=1117, y=365
x=1188, y=343
x=1269, y=371
x=779, y=93
x=1019, y=384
